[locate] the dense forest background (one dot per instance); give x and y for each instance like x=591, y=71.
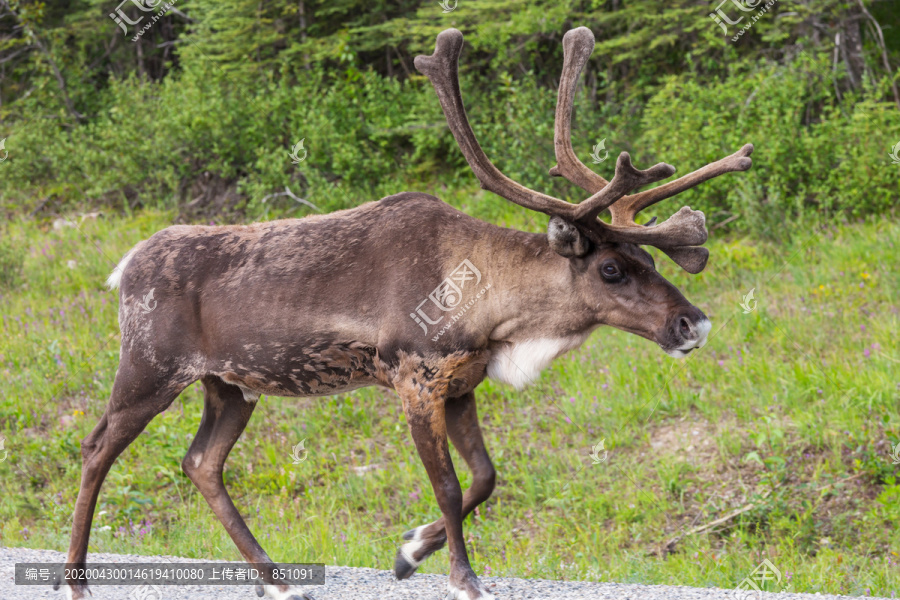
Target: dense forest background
x=199, y=109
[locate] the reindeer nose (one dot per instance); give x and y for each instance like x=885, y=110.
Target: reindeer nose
x=688, y=332
x=686, y=329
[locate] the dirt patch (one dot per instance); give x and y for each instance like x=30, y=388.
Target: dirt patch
x=689, y=439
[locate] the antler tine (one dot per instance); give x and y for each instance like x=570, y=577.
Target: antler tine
x=442, y=69
x=674, y=242
x=624, y=211
x=627, y=178
x=578, y=44
x=690, y=258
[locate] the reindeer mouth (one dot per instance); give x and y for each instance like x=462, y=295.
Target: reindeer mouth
x=679, y=352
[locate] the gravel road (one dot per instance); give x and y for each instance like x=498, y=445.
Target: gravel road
x=350, y=583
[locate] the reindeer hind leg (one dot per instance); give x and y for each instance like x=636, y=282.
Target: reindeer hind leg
x=138, y=395
x=226, y=413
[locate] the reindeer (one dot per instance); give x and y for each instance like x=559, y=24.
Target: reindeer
x=322, y=305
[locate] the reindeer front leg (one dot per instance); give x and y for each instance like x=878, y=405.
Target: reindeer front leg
x=424, y=392
x=465, y=435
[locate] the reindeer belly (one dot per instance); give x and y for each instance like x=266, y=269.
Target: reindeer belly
x=316, y=369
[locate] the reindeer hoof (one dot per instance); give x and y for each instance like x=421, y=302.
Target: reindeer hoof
x=478, y=593
x=73, y=592
x=403, y=567
x=260, y=591
x=405, y=564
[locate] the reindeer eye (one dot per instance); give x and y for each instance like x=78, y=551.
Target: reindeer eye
x=610, y=272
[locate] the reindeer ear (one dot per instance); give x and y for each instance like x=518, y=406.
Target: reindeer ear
x=565, y=239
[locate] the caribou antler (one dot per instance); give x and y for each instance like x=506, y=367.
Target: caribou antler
x=675, y=236
x=578, y=44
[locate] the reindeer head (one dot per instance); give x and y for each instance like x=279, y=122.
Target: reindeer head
x=616, y=277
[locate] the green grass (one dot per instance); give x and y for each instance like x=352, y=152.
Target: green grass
x=792, y=407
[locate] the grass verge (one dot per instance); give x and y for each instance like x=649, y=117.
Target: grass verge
x=791, y=408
